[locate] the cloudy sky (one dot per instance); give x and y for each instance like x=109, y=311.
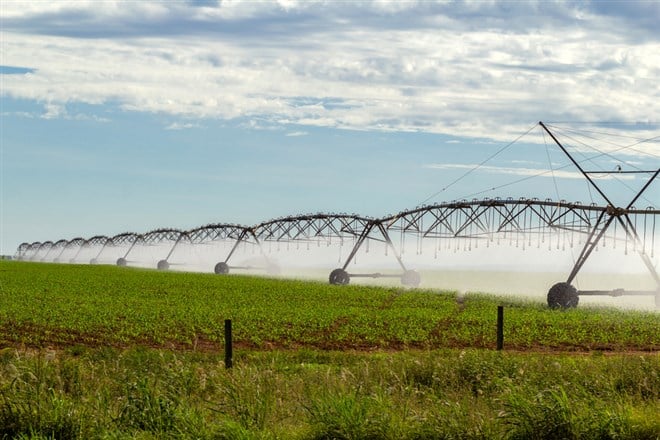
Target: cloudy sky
x=132, y=115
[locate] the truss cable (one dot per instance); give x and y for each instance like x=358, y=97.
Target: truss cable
x=639, y=141
x=470, y=171
x=653, y=239
x=604, y=153
x=574, y=130
x=563, y=167
x=591, y=195
x=541, y=174
x=552, y=171
x=613, y=158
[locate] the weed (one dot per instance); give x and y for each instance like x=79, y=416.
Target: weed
x=545, y=416
x=347, y=417
x=248, y=397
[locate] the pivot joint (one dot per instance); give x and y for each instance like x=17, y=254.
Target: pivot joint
x=615, y=212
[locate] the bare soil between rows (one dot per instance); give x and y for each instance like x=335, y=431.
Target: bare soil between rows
x=33, y=337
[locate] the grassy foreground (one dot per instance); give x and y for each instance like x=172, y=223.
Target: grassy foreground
x=311, y=394
x=101, y=352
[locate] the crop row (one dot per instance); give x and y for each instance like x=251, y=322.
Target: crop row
x=64, y=305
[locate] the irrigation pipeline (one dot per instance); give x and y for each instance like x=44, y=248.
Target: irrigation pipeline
x=525, y=220
x=459, y=225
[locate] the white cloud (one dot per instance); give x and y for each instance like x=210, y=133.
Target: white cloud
x=26, y=115
x=469, y=69
x=181, y=126
x=297, y=134
x=59, y=111
x=54, y=111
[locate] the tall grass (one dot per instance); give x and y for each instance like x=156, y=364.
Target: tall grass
x=445, y=394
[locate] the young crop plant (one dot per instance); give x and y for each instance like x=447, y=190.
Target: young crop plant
x=44, y=305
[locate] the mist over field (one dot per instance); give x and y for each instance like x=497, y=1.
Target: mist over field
x=515, y=265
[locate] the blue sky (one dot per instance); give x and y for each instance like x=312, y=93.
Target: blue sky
x=128, y=116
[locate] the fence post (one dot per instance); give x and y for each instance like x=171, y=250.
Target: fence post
x=500, y=327
x=228, y=344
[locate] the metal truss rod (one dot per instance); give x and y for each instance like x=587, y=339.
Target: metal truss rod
x=358, y=243
x=50, y=249
x=233, y=249
x=388, y=240
x=21, y=250
x=641, y=191
x=584, y=173
x=589, y=246
x=98, y=255
x=64, y=245
x=138, y=238
x=618, y=292
x=613, y=212
x=176, y=243
x=82, y=246
x=243, y=238
x=365, y=235
x=632, y=233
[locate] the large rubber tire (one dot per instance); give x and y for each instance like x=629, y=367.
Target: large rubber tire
x=93, y=261
x=163, y=265
x=339, y=277
x=563, y=296
x=411, y=278
x=121, y=262
x=221, y=268
x=657, y=300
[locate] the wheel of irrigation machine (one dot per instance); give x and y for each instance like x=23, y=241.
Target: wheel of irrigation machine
x=121, y=262
x=221, y=268
x=163, y=265
x=657, y=300
x=563, y=295
x=339, y=277
x=411, y=278
x=93, y=261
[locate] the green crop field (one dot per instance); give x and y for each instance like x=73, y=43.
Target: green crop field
x=62, y=305
x=107, y=352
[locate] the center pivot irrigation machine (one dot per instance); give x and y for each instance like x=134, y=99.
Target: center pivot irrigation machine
x=457, y=225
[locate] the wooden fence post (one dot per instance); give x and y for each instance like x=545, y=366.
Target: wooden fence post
x=500, y=327
x=228, y=344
